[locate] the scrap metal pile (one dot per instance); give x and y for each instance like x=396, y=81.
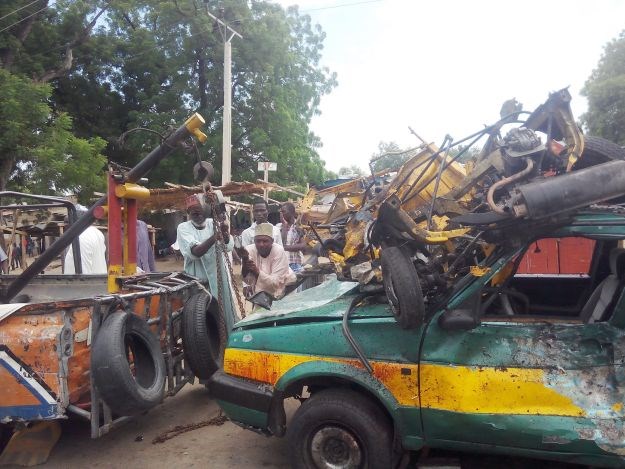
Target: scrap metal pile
x=421, y=228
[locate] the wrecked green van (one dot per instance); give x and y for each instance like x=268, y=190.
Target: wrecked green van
x=509, y=362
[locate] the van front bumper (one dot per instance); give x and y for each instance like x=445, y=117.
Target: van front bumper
x=245, y=402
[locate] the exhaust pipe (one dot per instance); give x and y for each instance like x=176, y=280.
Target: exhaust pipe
x=570, y=191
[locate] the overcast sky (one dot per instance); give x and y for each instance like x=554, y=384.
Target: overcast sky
x=446, y=66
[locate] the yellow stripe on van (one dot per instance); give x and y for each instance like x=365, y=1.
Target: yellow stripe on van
x=492, y=391
x=453, y=388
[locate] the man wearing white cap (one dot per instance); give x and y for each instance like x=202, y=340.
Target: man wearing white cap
x=267, y=268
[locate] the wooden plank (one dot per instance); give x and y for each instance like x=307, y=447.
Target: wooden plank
x=275, y=187
x=10, y=230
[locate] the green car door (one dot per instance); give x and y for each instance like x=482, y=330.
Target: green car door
x=525, y=381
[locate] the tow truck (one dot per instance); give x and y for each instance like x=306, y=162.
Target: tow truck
x=101, y=347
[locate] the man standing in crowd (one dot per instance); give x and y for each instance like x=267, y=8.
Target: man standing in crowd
x=292, y=237
x=29, y=246
x=267, y=266
x=145, y=252
x=92, y=253
x=16, y=256
x=4, y=262
x=260, y=212
x=196, y=239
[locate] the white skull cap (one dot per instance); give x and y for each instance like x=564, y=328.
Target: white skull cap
x=264, y=229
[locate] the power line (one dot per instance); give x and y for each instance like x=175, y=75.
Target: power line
x=342, y=5
x=23, y=19
x=21, y=8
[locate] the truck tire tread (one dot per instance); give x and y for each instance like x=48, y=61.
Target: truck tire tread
x=203, y=335
x=128, y=388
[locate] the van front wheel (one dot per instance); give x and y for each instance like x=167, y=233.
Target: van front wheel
x=340, y=428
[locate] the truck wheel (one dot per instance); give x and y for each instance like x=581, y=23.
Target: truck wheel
x=204, y=335
x=598, y=150
x=402, y=287
x=340, y=428
x=127, y=364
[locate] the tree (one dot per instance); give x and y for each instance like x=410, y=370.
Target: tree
x=389, y=156
x=605, y=90
x=66, y=163
x=157, y=61
x=114, y=66
x=353, y=171
x=38, y=151
x=466, y=153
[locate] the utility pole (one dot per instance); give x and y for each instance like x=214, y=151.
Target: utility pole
x=266, y=179
x=227, y=33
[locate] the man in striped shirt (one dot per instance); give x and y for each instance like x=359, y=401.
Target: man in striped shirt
x=292, y=236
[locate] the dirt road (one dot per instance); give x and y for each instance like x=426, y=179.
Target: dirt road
x=131, y=446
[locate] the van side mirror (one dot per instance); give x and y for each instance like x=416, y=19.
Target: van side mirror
x=262, y=299
x=458, y=320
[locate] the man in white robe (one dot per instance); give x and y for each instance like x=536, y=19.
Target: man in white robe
x=267, y=267
x=196, y=239
x=92, y=253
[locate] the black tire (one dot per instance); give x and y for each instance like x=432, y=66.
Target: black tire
x=127, y=364
x=598, y=150
x=343, y=428
x=204, y=335
x=402, y=287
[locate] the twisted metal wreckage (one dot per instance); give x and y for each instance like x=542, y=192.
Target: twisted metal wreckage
x=434, y=219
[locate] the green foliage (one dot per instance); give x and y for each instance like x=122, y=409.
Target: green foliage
x=23, y=115
x=466, y=153
x=151, y=63
x=162, y=60
x=605, y=90
x=39, y=152
x=389, y=156
x=353, y=171
x=66, y=163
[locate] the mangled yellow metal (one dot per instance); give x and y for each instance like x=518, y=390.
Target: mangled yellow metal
x=417, y=203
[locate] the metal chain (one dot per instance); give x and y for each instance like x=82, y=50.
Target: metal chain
x=223, y=337
x=220, y=247
x=236, y=288
x=221, y=250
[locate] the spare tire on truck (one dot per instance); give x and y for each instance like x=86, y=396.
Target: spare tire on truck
x=204, y=335
x=127, y=364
